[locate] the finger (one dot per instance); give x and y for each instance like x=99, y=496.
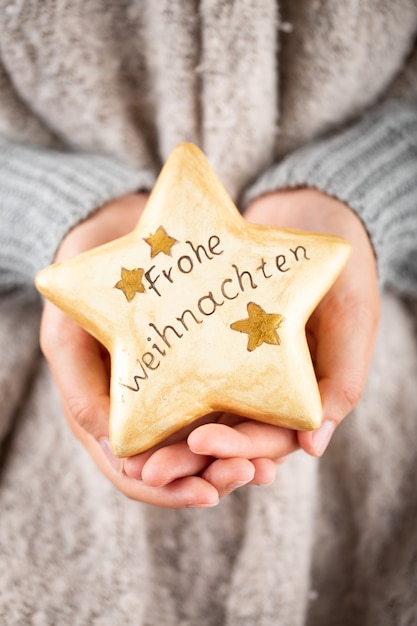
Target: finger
x=188, y=492
x=191, y=491
x=344, y=347
x=132, y=466
x=165, y=466
x=248, y=440
x=226, y=475
x=265, y=470
x=80, y=370
x=168, y=464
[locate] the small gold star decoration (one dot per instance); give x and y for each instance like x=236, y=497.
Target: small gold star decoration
x=131, y=282
x=214, y=323
x=260, y=326
x=160, y=241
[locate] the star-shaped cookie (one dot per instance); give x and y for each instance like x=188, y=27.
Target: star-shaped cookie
x=216, y=322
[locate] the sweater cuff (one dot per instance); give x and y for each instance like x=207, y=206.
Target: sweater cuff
x=43, y=194
x=372, y=167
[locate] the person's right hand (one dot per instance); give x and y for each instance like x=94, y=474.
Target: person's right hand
x=342, y=330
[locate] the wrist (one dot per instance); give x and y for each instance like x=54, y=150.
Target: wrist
x=310, y=209
x=110, y=221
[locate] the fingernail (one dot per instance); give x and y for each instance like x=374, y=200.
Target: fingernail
x=132, y=469
x=203, y=505
x=116, y=463
x=237, y=484
x=322, y=436
x=281, y=460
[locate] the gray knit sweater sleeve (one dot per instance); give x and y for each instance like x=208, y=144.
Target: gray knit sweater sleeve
x=372, y=167
x=43, y=193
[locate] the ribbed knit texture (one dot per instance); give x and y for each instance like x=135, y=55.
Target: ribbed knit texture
x=43, y=193
x=19, y=349
x=131, y=81
x=372, y=167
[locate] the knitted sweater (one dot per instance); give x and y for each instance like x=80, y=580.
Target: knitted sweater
x=93, y=97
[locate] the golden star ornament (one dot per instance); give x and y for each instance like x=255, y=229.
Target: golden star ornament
x=200, y=310
x=131, y=282
x=160, y=241
x=260, y=326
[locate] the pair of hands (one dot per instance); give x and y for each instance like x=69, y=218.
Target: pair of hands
x=220, y=453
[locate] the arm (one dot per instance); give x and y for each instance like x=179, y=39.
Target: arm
x=367, y=181
x=53, y=205
x=360, y=184
x=372, y=168
x=43, y=194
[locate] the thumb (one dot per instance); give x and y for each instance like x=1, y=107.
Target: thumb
x=79, y=365
x=343, y=354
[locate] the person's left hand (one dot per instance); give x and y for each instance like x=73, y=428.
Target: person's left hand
x=213, y=462
x=223, y=450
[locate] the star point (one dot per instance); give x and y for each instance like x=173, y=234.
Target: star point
x=175, y=355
